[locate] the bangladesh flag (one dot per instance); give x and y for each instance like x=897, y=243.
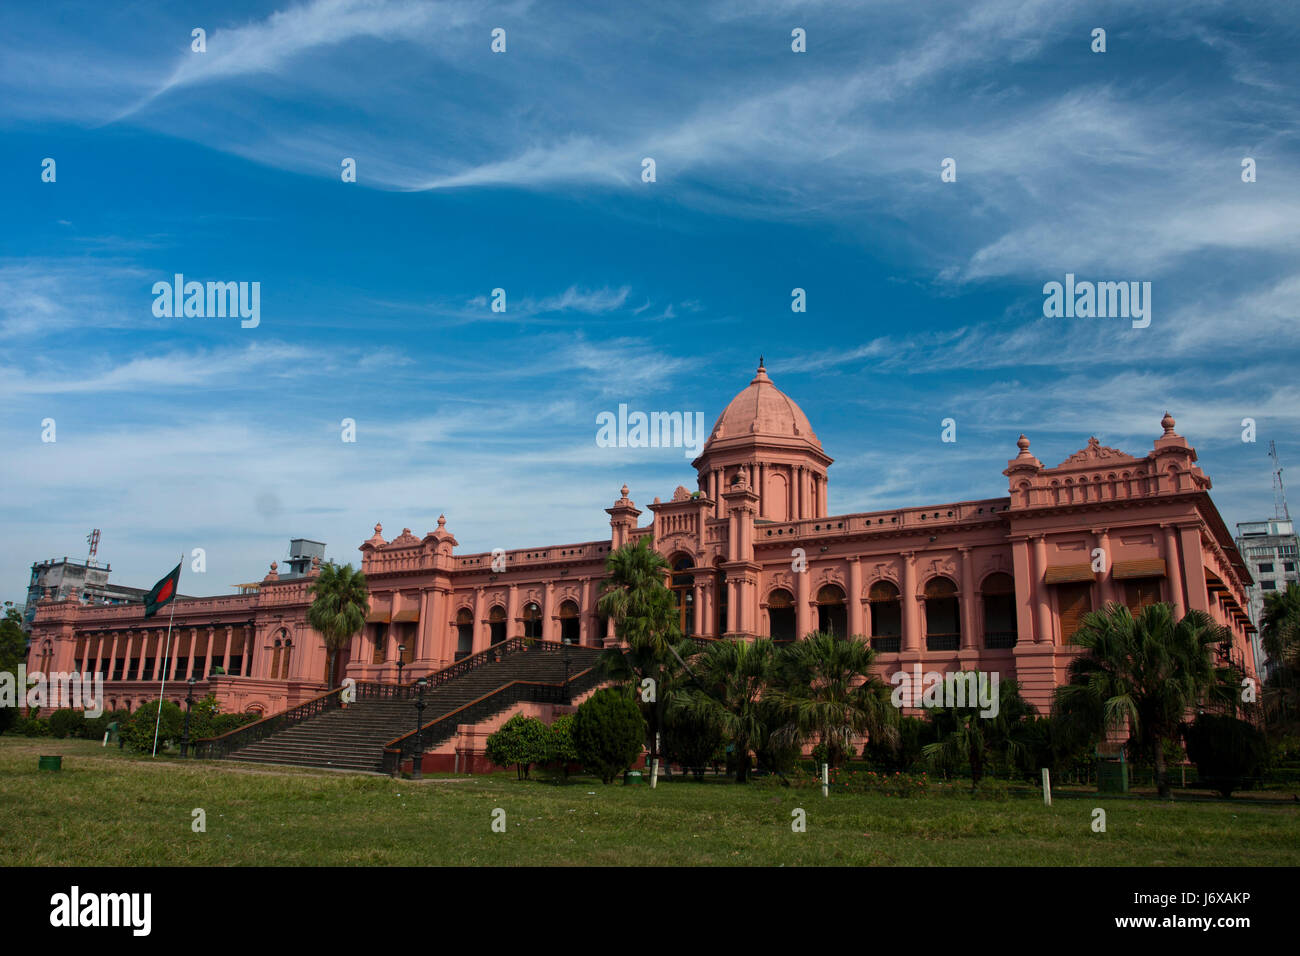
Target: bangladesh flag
x=163, y=593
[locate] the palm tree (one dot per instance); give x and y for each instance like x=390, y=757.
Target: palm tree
x=635, y=594
x=830, y=693
x=1280, y=634
x=967, y=736
x=338, y=609
x=1147, y=672
x=731, y=677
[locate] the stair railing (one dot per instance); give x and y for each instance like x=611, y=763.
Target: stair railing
x=439, y=730
x=213, y=748
x=375, y=690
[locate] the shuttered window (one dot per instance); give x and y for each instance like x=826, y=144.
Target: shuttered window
x=1139, y=592
x=1073, y=601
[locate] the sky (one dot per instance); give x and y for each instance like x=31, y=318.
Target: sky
x=523, y=170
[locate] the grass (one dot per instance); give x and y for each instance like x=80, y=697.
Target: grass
x=110, y=808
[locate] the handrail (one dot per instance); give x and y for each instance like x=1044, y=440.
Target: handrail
x=409, y=690
x=232, y=740
x=431, y=735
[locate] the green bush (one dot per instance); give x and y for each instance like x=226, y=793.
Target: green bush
x=67, y=723
x=1229, y=753
x=913, y=734
x=608, y=731
x=521, y=741
x=560, y=748
x=33, y=727
x=138, y=731
x=692, y=740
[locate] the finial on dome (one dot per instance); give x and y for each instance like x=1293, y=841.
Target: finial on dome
x=760, y=361
x=1167, y=423
x=1023, y=444
x=442, y=521
x=623, y=490
x=274, y=565
x=378, y=528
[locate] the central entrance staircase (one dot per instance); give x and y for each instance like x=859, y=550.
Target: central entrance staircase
x=378, y=730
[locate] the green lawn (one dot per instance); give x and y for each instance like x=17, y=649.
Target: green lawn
x=109, y=808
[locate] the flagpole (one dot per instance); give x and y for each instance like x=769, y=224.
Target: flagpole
x=162, y=690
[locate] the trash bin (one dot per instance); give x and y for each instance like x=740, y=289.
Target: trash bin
x=1112, y=772
x=50, y=763
x=631, y=778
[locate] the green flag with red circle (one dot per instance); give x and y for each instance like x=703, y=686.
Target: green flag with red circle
x=163, y=593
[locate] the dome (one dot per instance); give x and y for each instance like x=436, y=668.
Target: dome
x=762, y=410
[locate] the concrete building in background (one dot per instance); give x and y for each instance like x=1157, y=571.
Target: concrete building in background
x=1269, y=549
x=81, y=581
x=995, y=584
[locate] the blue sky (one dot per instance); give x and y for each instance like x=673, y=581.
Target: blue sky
x=522, y=171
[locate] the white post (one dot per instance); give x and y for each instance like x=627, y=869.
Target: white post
x=1047, y=787
x=826, y=781
x=654, y=764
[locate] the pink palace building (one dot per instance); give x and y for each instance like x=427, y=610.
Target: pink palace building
x=994, y=584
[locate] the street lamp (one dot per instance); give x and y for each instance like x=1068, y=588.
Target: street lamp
x=401, y=655
x=189, y=702
x=417, y=762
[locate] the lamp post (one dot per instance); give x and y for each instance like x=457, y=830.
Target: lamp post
x=185, y=735
x=417, y=761
x=401, y=654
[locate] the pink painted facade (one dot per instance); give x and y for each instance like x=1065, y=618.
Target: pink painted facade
x=993, y=584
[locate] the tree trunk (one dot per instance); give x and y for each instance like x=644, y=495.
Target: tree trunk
x=329, y=669
x=1162, y=779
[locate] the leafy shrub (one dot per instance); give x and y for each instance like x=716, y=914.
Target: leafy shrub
x=522, y=741
x=608, y=731
x=1229, y=754
x=33, y=727
x=67, y=723
x=913, y=734
x=138, y=730
x=692, y=740
x=560, y=748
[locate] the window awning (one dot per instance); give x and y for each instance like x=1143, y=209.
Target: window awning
x=1147, y=568
x=1063, y=573
x=407, y=615
x=380, y=612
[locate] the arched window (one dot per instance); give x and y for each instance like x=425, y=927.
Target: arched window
x=497, y=624
x=886, y=617
x=942, y=617
x=780, y=615
x=532, y=621
x=568, y=623
x=999, y=593
x=464, y=633
x=683, y=588
x=724, y=611
x=275, y=658
x=832, y=616
x=284, y=661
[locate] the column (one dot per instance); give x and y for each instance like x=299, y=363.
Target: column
x=250, y=641
x=207, y=653
x=225, y=657
x=968, y=601
x=762, y=489
x=1043, y=634
x=1174, y=572
x=112, y=655
x=171, y=662
x=548, y=609
x=144, y=652
x=855, y=597
x=194, y=646
x=911, y=616
x=584, y=611
x=697, y=619
x=801, y=605
x=1106, y=586
x=792, y=493
x=512, y=612
x=477, y=644
x=99, y=650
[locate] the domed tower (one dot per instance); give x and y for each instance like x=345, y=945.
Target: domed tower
x=765, y=433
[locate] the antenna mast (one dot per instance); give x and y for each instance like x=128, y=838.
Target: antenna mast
x=93, y=538
x=1280, y=509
